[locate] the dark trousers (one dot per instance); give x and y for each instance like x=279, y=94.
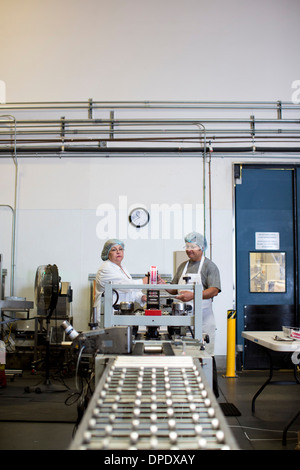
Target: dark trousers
x=215, y=378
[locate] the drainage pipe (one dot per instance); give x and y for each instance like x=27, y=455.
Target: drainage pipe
x=203, y=131
x=12, y=246
x=14, y=208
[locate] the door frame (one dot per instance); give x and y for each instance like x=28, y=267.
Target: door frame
x=237, y=179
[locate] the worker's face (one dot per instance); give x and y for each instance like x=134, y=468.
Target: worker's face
x=116, y=254
x=193, y=251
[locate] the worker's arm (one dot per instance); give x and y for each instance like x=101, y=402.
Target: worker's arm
x=209, y=293
x=170, y=291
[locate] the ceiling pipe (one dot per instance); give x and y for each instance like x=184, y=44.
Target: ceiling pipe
x=91, y=104
x=87, y=151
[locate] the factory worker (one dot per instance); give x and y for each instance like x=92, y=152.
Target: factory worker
x=203, y=271
x=112, y=270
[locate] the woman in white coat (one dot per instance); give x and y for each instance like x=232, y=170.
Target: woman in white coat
x=112, y=271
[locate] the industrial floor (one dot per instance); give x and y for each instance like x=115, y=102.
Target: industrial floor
x=46, y=421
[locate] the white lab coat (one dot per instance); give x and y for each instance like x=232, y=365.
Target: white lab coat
x=208, y=319
x=111, y=272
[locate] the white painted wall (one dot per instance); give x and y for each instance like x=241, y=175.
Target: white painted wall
x=146, y=50
x=132, y=50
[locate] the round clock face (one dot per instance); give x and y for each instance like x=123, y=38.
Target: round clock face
x=139, y=217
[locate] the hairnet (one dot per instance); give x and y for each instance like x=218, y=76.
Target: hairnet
x=108, y=246
x=197, y=238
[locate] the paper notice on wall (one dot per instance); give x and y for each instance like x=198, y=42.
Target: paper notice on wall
x=267, y=241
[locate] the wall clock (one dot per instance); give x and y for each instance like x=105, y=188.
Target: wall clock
x=139, y=217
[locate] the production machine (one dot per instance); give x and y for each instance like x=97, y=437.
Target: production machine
x=153, y=377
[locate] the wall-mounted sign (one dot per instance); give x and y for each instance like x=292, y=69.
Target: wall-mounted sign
x=267, y=241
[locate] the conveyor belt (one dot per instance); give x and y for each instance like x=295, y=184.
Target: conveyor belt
x=148, y=403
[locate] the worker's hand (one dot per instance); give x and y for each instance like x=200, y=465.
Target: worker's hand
x=185, y=296
x=159, y=280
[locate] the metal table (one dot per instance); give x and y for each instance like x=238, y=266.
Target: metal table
x=266, y=340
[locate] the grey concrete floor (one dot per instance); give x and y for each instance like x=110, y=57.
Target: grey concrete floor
x=46, y=421
x=275, y=407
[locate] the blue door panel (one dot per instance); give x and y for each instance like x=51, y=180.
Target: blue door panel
x=264, y=203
